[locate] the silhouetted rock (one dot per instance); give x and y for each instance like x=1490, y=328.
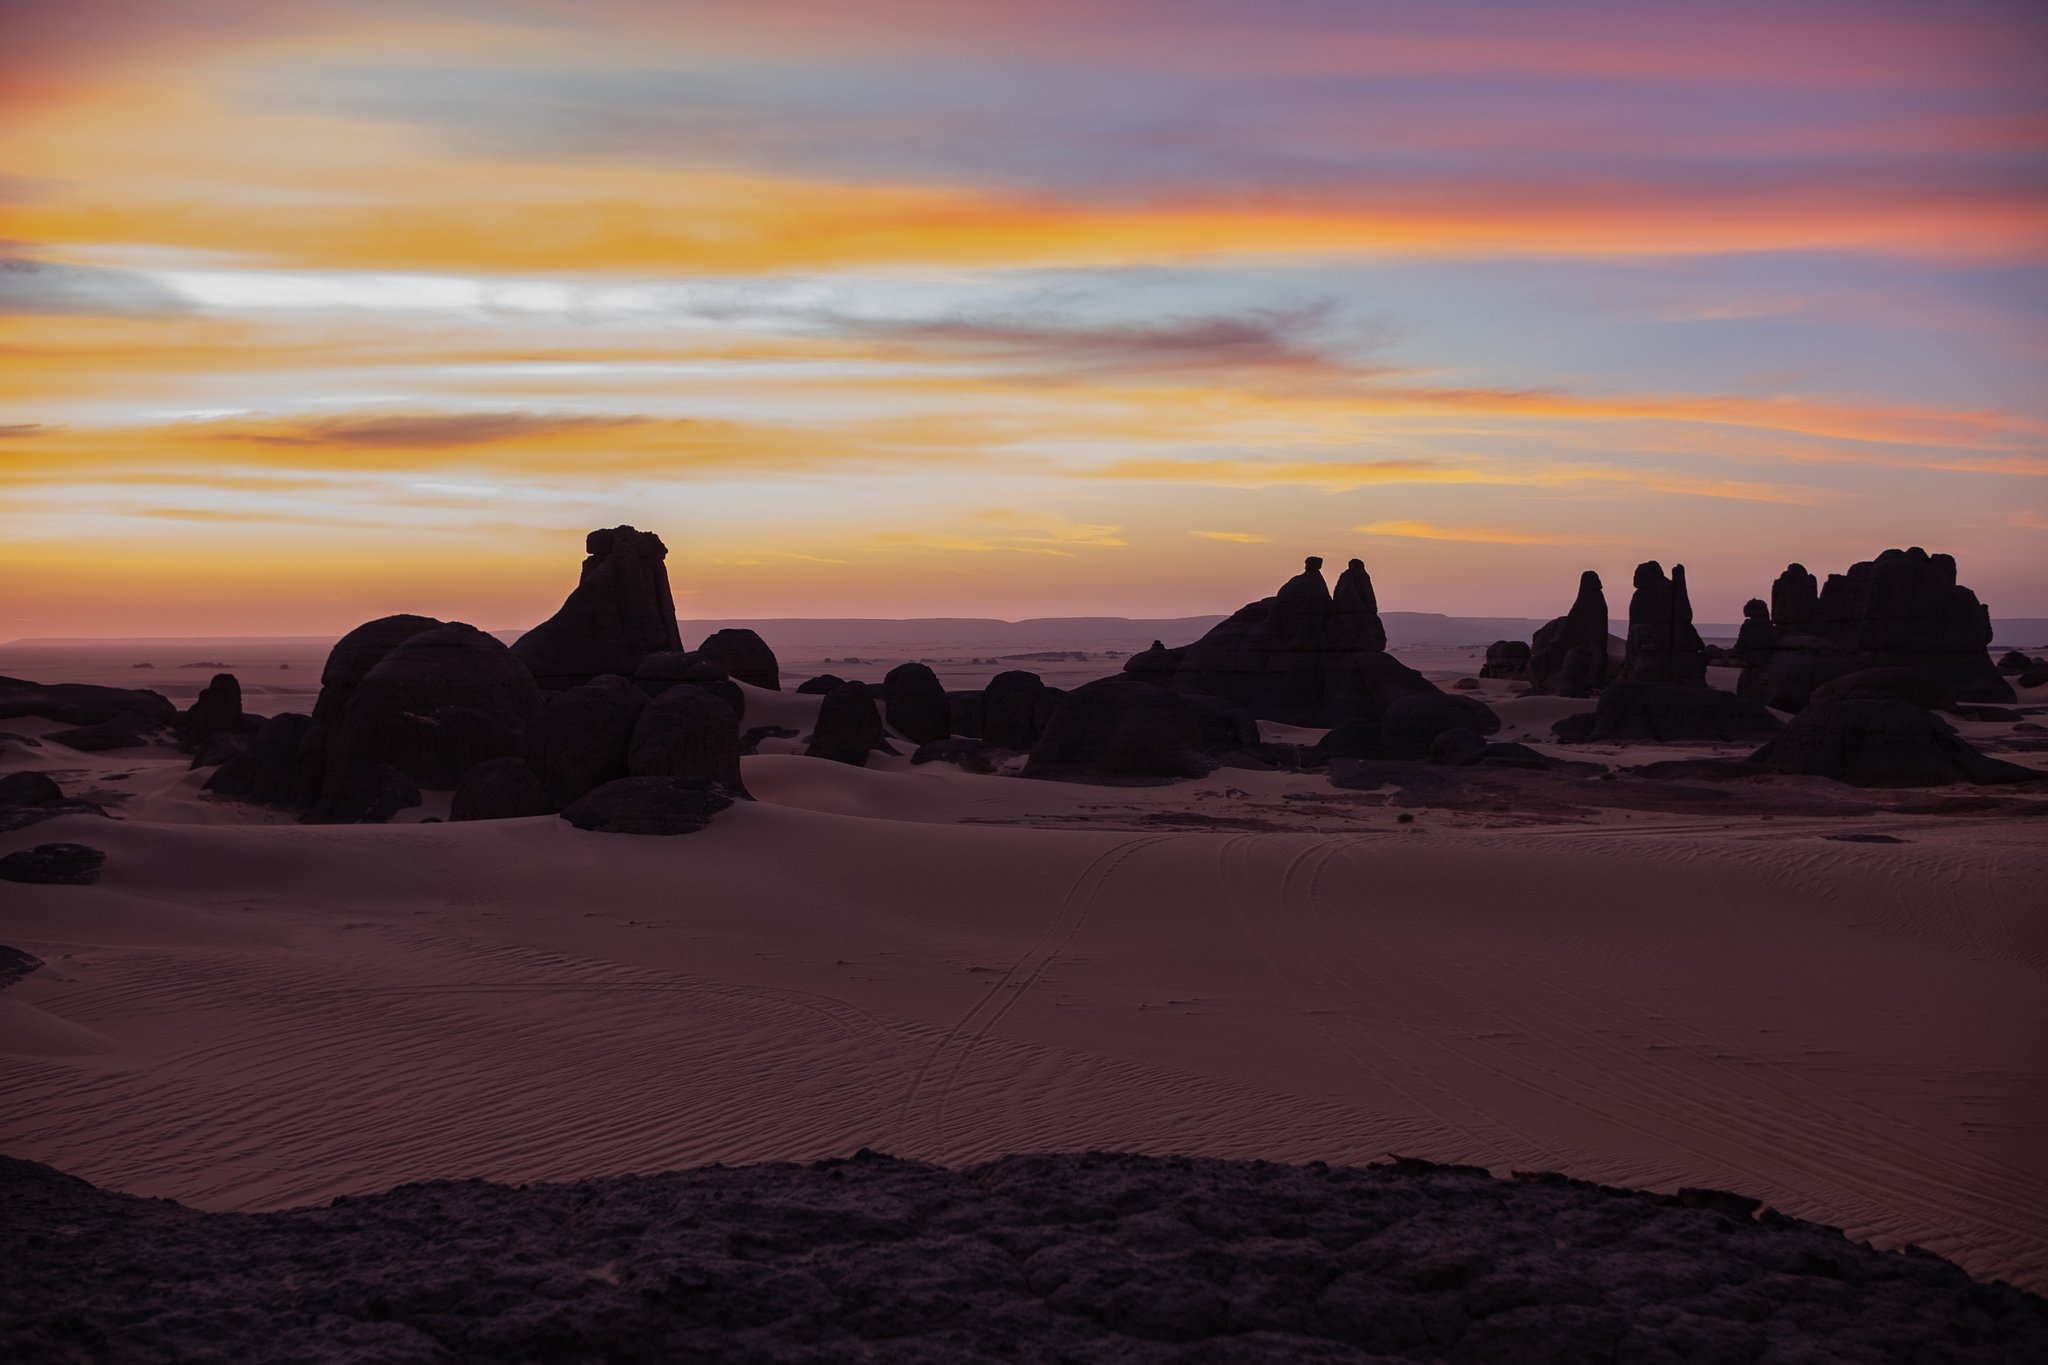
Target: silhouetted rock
x=1874, y=740
x=1903, y=609
x=53, y=865
x=356, y=653
x=1915, y=685
x=649, y=805
x=849, y=727
x=1507, y=659
x=1304, y=656
x=2013, y=661
x=1663, y=646
x=687, y=732
x=1457, y=748
x=1666, y=713
x=435, y=705
x=1757, y=638
x=28, y=789
x=276, y=768
x=965, y=707
x=81, y=703
x=1352, y=739
x=679, y=668
x=1466, y=685
x=915, y=705
x=1226, y=727
x=2033, y=678
x=1155, y=665
x=750, y=742
x=222, y=745
x=1015, y=707
x=1411, y=724
x=745, y=657
x=621, y=612
x=1513, y=756
x=501, y=789
x=16, y=964
x=1568, y=656
x=217, y=708
x=1119, y=730
x=124, y=731
x=820, y=685
x=971, y=755
x=579, y=739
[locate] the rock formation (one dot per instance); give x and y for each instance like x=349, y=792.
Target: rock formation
x=579, y=739
x=1014, y=709
x=1304, y=656
x=277, y=767
x=969, y=755
x=849, y=727
x=1568, y=656
x=1666, y=713
x=620, y=612
x=744, y=657
x=1507, y=659
x=1119, y=730
x=649, y=805
x=1663, y=646
x=820, y=685
x=915, y=705
x=53, y=865
x=500, y=789
x=1903, y=609
x=687, y=732
x=1875, y=739
x=81, y=703
x=216, y=710
x=125, y=731
x=1411, y=724
x=675, y=668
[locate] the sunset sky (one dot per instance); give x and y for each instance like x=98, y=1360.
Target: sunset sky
x=313, y=310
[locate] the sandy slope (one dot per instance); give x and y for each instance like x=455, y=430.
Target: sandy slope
x=249, y=1015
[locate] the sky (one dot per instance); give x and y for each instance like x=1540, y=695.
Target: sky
x=320, y=310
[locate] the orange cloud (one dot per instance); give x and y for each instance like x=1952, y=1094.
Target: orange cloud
x=1232, y=537
x=1471, y=535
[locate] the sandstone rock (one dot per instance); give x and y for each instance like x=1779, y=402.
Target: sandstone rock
x=965, y=707
x=1757, y=638
x=276, y=768
x=1508, y=659
x=217, y=709
x=124, y=731
x=1119, y=730
x=1015, y=707
x=1411, y=724
x=579, y=739
x=649, y=805
x=1663, y=646
x=620, y=612
x=501, y=789
x=2013, y=661
x=970, y=755
x=915, y=705
x=1352, y=739
x=1155, y=665
x=53, y=865
x=750, y=742
x=820, y=685
x=1552, y=665
x=81, y=703
x=687, y=732
x=1915, y=685
x=1457, y=747
x=849, y=728
x=28, y=789
x=1873, y=740
x=744, y=656
x=1668, y=712
x=1795, y=601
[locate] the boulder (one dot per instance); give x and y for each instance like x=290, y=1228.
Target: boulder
x=1457, y=748
x=1015, y=707
x=1507, y=659
x=1903, y=609
x=1757, y=638
x=501, y=789
x=820, y=685
x=124, y=731
x=744, y=657
x=276, y=767
x=28, y=789
x=1669, y=712
x=970, y=755
x=1352, y=739
x=848, y=728
x=687, y=732
x=965, y=707
x=216, y=710
x=81, y=703
x=579, y=739
x=355, y=654
x=649, y=805
x=1155, y=665
x=1119, y=730
x=1915, y=685
x=915, y=705
x=2013, y=661
x=1568, y=656
x=677, y=668
x=620, y=612
x=1411, y=724
x=1662, y=645
x=53, y=865
x=1873, y=740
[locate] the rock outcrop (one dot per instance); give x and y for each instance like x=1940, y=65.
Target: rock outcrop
x=677, y=668
x=1015, y=707
x=1903, y=609
x=277, y=768
x=649, y=805
x=1568, y=656
x=915, y=705
x=82, y=703
x=579, y=739
x=1875, y=739
x=500, y=789
x=53, y=865
x=744, y=657
x=1667, y=713
x=1663, y=646
x=1508, y=659
x=687, y=732
x=1119, y=731
x=620, y=612
x=969, y=755
x=216, y=710
x=848, y=728
x=1411, y=724
x=1304, y=656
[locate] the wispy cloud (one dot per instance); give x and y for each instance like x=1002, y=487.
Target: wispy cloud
x=1232, y=537
x=1473, y=535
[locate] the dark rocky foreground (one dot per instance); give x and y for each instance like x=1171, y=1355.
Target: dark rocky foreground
x=1044, y=1258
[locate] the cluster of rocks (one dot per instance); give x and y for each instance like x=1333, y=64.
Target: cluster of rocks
x=63, y=864
x=1080, y=1258
x=29, y=798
